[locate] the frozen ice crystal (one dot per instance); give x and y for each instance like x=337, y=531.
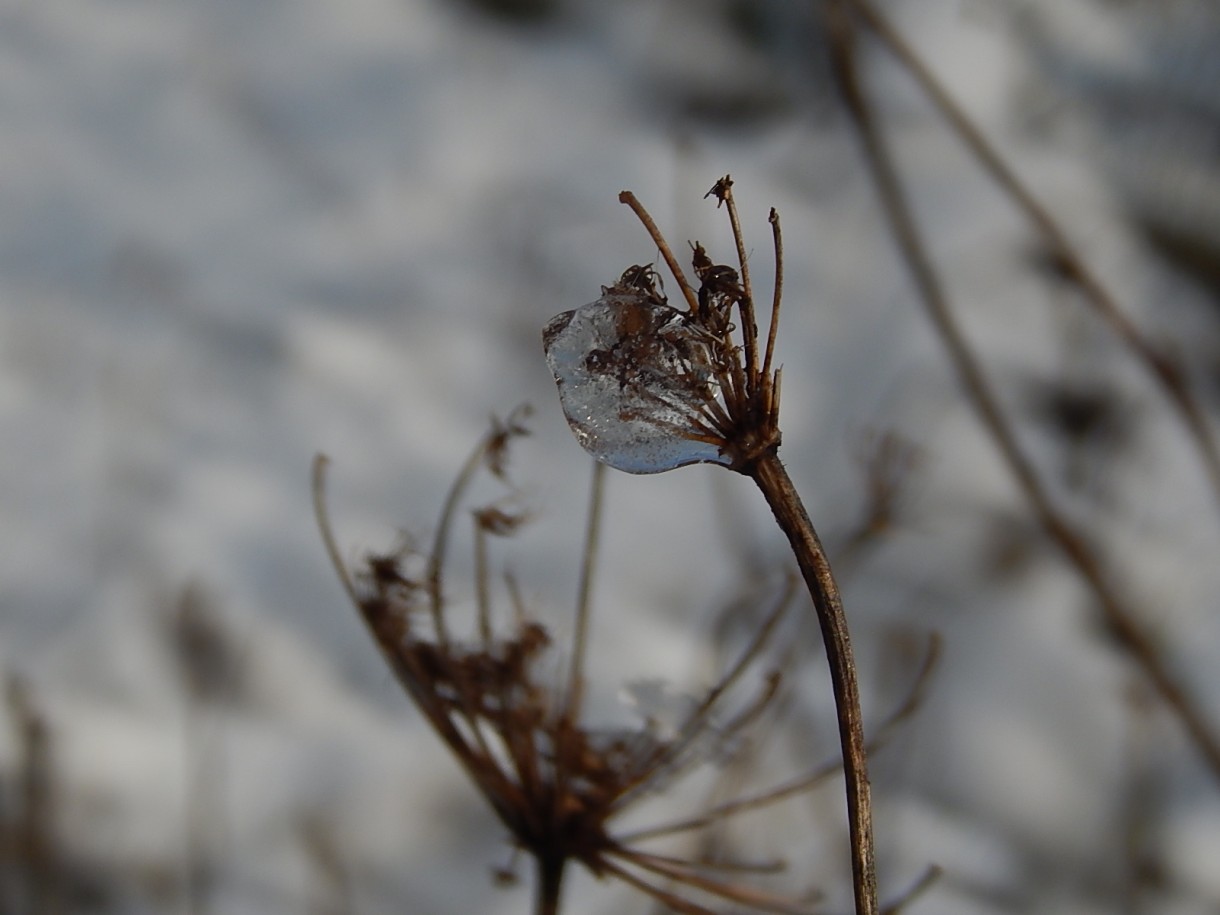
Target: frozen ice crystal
x=635, y=381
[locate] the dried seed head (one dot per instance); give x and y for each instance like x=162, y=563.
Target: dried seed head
x=555, y=783
x=646, y=387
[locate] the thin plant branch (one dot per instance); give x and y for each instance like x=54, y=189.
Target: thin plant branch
x=440, y=543
x=757, y=643
x=749, y=326
x=550, y=883
x=628, y=198
x=1121, y=617
x=918, y=888
x=387, y=632
x=808, y=780
x=776, y=299
x=757, y=899
x=1167, y=374
x=32, y=850
x=318, y=491
x=588, y=565
x=670, y=754
x=776, y=486
x=482, y=583
x=672, y=901
x=554, y=783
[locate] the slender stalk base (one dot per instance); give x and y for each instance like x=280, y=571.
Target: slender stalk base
x=550, y=882
x=785, y=503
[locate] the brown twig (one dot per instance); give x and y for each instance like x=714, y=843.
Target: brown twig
x=1119, y=614
x=749, y=326
x=555, y=784
x=34, y=841
x=440, y=544
x=550, y=883
x=921, y=886
x=776, y=298
x=576, y=673
x=1161, y=366
x=628, y=198
x=772, y=479
x=808, y=780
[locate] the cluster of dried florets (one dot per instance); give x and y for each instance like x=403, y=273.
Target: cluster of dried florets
x=555, y=783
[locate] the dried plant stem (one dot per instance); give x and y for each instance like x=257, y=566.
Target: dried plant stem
x=1162, y=368
x=482, y=585
x=777, y=296
x=749, y=327
x=918, y=888
x=318, y=490
x=550, y=884
x=576, y=673
x=808, y=780
x=789, y=511
x=688, y=292
x=1119, y=614
x=550, y=869
x=33, y=846
x=436, y=560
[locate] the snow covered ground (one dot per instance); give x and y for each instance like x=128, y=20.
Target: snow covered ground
x=233, y=235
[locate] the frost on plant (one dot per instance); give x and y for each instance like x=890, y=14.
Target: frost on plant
x=635, y=377
x=647, y=387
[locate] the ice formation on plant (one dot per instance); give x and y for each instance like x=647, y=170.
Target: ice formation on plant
x=635, y=378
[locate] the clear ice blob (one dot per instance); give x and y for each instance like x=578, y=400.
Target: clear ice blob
x=635, y=380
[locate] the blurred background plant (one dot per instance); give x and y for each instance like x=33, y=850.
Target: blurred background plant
x=234, y=235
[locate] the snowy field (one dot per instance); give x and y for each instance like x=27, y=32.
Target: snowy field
x=234, y=235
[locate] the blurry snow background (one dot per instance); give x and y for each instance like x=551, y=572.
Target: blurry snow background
x=235, y=234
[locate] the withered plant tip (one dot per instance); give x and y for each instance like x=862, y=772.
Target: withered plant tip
x=555, y=783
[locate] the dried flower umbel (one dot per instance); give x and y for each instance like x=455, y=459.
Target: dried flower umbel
x=647, y=388
x=556, y=784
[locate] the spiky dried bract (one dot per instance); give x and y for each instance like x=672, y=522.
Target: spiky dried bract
x=555, y=783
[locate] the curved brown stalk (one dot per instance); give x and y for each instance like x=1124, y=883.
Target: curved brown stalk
x=576, y=671
x=771, y=477
x=745, y=425
x=550, y=882
x=1121, y=617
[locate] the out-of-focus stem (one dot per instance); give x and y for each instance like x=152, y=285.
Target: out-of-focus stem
x=1162, y=366
x=550, y=884
x=576, y=674
x=33, y=835
x=1120, y=614
x=789, y=511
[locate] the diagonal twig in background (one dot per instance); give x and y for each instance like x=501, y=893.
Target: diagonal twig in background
x=1165, y=371
x=1120, y=616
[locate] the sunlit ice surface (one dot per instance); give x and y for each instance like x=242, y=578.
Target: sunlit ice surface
x=634, y=379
